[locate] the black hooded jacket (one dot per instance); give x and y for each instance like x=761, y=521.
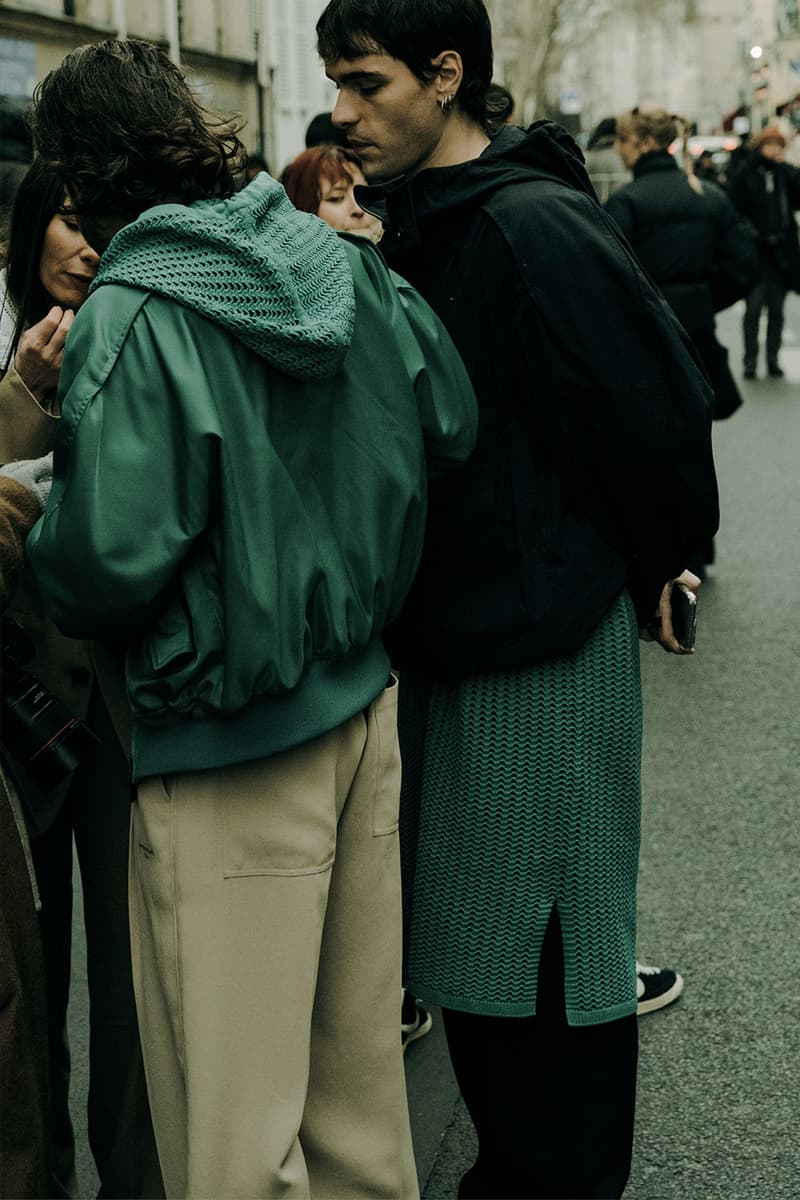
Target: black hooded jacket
x=593, y=465
x=768, y=194
x=684, y=238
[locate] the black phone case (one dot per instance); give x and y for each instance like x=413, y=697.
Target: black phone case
x=684, y=615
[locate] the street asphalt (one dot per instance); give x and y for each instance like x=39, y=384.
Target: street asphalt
x=719, y=890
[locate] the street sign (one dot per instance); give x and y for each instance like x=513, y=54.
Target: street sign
x=570, y=102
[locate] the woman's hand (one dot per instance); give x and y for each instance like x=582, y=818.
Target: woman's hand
x=661, y=626
x=41, y=351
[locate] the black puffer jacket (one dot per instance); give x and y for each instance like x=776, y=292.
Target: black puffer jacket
x=684, y=238
x=593, y=465
x=768, y=194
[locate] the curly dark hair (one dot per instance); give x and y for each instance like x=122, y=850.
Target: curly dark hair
x=120, y=125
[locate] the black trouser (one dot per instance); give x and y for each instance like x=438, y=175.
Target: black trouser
x=769, y=292
x=97, y=812
x=552, y=1104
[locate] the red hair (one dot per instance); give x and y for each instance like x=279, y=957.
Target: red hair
x=303, y=176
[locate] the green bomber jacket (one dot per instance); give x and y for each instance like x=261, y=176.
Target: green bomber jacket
x=251, y=406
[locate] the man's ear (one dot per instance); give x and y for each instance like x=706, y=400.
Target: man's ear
x=450, y=73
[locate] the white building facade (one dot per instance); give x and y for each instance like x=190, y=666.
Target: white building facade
x=256, y=58
x=692, y=57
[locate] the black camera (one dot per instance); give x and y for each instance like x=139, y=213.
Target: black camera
x=39, y=731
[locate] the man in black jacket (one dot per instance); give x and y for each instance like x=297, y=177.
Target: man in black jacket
x=767, y=191
x=591, y=483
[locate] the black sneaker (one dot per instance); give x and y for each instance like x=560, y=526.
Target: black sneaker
x=749, y=371
x=415, y=1020
x=774, y=371
x=656, y=987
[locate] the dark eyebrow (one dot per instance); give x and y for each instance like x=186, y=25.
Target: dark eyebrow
x=353, y=76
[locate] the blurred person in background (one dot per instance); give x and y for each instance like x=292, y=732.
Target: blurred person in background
x=687, y=235
x=321, y=181
x=690, y=239
x=766, y=190
x=705, y=167
x=604, y=166
x=500, y=105
x=49, y=268
x=256, y=163
x=322, y=132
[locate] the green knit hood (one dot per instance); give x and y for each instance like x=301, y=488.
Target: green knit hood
x=275, y=278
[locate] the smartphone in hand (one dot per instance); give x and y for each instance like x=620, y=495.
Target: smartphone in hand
x=683, y=605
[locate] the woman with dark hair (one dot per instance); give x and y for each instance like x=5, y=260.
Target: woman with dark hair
x=49, y=268
x=321, y=180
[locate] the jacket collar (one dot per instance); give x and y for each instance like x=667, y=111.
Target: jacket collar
x=654, y=160
x=543, y=152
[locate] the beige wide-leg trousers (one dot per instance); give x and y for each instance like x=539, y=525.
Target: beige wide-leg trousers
x=266, y=933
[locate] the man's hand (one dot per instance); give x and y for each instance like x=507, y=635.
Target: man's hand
x=41, y=351
x=661, y=626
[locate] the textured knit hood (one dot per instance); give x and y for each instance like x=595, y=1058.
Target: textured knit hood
x=275, y=278
x=545, y=151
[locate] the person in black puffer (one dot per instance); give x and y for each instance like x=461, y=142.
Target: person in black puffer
x=767, y=191
x=687, y=235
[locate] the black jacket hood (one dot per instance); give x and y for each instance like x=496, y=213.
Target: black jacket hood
x=544, y=151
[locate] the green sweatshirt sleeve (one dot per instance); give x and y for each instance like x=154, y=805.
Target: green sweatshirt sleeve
x=131, y=479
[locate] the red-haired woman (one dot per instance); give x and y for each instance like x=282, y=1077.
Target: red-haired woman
x=321, y=181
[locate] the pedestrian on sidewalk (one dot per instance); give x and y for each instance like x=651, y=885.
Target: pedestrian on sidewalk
x=604, y=166
x=767, y=191
x=591, y=485
x=686, y=234
x=240, y=471
x=690, y=239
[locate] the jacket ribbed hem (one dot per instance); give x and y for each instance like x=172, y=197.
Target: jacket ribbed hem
x=523, y=1008
x=331, y=691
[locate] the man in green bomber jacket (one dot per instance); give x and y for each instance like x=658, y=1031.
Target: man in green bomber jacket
x=250, y=408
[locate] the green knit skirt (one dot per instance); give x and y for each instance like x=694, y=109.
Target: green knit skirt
x=521, y=794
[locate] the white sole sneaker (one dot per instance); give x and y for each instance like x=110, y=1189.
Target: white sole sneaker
x=656, y=988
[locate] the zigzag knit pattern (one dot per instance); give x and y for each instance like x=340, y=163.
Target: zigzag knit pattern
x=276, y=278
x=523, y=796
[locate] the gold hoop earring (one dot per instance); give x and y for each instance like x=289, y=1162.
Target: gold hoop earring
x=445, y=102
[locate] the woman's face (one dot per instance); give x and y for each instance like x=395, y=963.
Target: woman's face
x=68, y=264
x=337, y=204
